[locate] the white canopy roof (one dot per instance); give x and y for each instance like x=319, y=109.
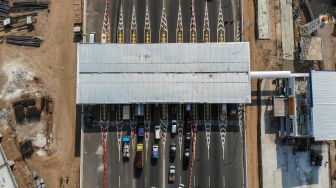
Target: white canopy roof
x=163, y=73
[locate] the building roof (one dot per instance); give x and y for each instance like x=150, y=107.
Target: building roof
x=287, y=30
x=6, y=176
x=163, y=73
x=263, y=19
x=323, y=92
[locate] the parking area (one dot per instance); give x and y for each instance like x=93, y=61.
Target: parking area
x=212, y=140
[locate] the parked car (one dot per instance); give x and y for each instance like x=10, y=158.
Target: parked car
x=174, y=127
x=157, y=132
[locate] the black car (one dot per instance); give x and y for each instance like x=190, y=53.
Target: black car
x=187, y=140
x=186, y=157
x=89, y=118
x=172, y=152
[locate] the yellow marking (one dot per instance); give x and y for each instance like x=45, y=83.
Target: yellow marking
x=133, y=38
x=193, y=37
x=221, y=37
x=147, y=39
x=206, y=36
x=120, y=37
x=179, y=37
x=163, y=37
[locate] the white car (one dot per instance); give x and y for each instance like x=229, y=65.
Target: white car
x=174, y=127
x=157, y=132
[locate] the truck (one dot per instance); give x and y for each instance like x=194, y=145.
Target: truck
x=233, y=109
x=139, y=159
x=126, y=146
x=126, y=112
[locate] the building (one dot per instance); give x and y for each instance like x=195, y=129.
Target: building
x=309, y=105
x=163, y=73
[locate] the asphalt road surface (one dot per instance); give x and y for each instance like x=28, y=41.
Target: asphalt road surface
x=216, y=164
x=95, y=15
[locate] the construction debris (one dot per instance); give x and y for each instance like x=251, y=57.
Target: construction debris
x=24, y=41
x=4, y=8
x=29, y=6
x=26, y=148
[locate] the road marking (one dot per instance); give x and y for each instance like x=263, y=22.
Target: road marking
x=209, y=180
x=119, y=181
x=163, y=167
x=133, y=35
x=194, y=181
x=120, y=29
x=223, y=181
x=180, y=180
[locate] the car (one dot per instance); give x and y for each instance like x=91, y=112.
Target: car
x=172, y=151
x=92, y=37
x=171, y=173
x=157, y=132
x=126, y=153
x=181, y=185
x=89, y=119
x=155, y=152
x=174, y=127
x=186, y=155
x=187, y=140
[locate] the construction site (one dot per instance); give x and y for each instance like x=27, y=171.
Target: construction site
x=105, y=94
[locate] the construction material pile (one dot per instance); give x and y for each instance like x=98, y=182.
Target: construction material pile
x=4, y=8
x=19, y=22
x=29, y=6
x=24, y=41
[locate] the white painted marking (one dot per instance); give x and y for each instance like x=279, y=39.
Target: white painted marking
x=180, y=180
x=194, y=181
x=223, y=181
x=119, y=152
x=208, y=152
x=119, y=181
x=209, y=180
x=146, y=145
x=163, y=166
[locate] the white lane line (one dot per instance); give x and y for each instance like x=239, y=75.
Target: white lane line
x=223, y=181
x=163, y=166
x=180, y=180
x=194, y=181
x=209, y=180
x=119, y=181
x=146, y=148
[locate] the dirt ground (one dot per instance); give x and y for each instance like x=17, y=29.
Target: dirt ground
x=265, y=55
x=55, y=64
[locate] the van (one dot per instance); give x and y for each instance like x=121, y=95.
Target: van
x=174, y=127
x=157, y=132
x=92, y=37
